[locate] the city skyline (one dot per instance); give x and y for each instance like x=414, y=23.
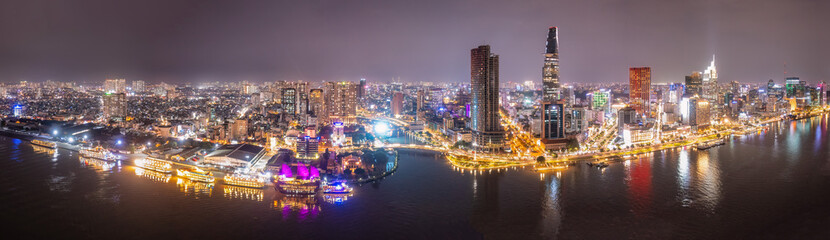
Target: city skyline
x=187, y=42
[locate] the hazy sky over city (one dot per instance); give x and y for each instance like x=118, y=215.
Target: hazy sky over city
x=426, y=40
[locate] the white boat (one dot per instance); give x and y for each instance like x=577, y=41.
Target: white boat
x=154, y=164
x=98, y=152
x=244, y=180
x=46, y=144
x=197, y=175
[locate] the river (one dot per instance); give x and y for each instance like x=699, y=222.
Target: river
x=771, y=184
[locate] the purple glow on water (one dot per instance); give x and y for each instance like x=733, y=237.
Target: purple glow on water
x=285, y=171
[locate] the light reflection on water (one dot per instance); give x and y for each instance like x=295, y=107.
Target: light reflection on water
x=244, y=193
x=193, y=188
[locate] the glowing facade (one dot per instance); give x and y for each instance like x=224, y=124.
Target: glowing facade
x=550, y=71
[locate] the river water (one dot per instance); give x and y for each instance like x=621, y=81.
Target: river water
x=771, y=184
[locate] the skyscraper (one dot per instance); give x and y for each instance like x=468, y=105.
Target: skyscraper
x=289, y=101
x=694, y=84
x=710, y=82
x=315, y=102
x=397, y=104
x=550, y=71
x=640, y=86
x=340, y=99
x=553, y=121
x=138, y=86
x=361, y=89
x=484, y=82
x=114, y=106
x=115, y=85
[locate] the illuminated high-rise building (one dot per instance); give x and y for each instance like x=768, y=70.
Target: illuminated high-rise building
x=791, y=84
x=550, y=71
x=115, y=85
x=289, y=101
x=315, y=102
x=599, y=99
x=640, y=87
x=361, y=89
x=694, y=84
x=138, y=86
x=397, y=104
x=484, y=83
x=710, y=82
x=114, y=106
x=553, y=120
x=340, y=99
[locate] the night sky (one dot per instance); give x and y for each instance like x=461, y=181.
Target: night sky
x=423, y=40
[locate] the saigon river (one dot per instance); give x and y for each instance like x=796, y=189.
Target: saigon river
x=772, y=184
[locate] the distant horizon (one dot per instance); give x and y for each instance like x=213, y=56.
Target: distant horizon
x=207, y=41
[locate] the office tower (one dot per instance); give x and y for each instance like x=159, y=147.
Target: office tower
x=307, y=147
x=302, y=103
x=361, y=89
x=239, y=129
x=340, y=99
x=18, y=110
x=484, y=82
x=626, y=115
x=138, y=86
x=419, y=105
x=289, y=101
x=694, y=111
x=710, y=83
x=694, y=84
x=115, y=85
x=114, y=106
x=599, y=99
x=315, y=102
x=640, y=87
x=553, y=120
x=550, y=71
x=792, y=85
x=397, y=104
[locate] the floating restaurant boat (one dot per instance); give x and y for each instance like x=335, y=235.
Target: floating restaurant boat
x=244, y=180
x=197, y=175
x=46, y=144
x=337, y=188
x=306, y=181
x=546, y=167
x=710, y=144
x=98, y=152
x=154, y=164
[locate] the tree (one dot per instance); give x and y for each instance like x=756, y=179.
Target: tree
x=540, y=159
x=359, y=171
x=347, y=172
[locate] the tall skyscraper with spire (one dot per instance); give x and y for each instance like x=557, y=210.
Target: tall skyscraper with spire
x=550, y=71
x=484, y=83
x=710, y=86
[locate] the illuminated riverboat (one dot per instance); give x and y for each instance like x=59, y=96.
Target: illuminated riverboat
x=98, y=152
x=306, y=181
x=337, y=188
x=244, y=180
x=197, y=175
x=154, y=164
x=46, y=144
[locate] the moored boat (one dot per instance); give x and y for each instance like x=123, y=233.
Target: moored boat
x=154, y=164
x=98, y=152
x=197, y=175
x=337, y=188
x=244, y=180
x=305, y=182
x=42, y=143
